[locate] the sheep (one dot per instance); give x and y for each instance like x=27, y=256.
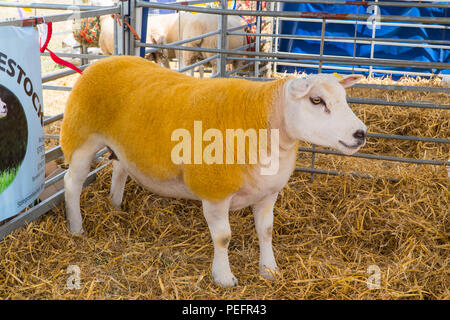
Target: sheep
x=204, y=23
x=168, y=28
x=106, y=38
x=3, y=109
x=161, y=29
x=164, y=29
x=138, y=109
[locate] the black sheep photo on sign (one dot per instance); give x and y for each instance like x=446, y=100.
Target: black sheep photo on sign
x=13, y=136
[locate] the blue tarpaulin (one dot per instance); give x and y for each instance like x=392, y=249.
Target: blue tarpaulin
x=362, y=30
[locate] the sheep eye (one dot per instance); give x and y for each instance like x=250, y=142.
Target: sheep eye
x=316, y=100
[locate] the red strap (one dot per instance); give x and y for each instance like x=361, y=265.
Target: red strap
x=132, y=30
x=116, y=17
x=49, y=34
x=124, y=21
x=62, y=62
x=54, y=57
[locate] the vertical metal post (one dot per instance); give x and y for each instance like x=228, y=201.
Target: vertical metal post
x=132, y=15
x=354, y=36
x=119, y=46
x=258, y=38
x=84, y=50
x=276, y=21
x=372, y=43
x=179, y=52
x=322, y=45
x=116, y=44
x=222, y=43
x=269, y=68
x=354, y=46
x=144, y=21
x=126, y=31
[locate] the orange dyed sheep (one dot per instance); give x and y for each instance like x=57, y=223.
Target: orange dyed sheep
x=185, y=137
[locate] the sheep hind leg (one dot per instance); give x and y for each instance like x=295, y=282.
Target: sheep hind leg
x=119, y=178
x=73, y=181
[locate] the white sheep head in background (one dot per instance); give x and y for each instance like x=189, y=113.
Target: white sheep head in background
x=3, y=109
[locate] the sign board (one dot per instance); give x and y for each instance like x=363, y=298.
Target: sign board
x=22, y=154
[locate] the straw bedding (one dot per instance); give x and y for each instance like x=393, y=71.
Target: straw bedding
x=327, y=232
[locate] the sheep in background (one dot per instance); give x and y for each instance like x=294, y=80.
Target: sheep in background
x=168, y=28
x=202, y=23
x=106, y=39
x=161, y=29
x=164, y=29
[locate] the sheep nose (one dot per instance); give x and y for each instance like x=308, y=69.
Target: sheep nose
x=360, y=135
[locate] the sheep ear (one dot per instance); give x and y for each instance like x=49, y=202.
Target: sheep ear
x=298, y=88
x=350, y=80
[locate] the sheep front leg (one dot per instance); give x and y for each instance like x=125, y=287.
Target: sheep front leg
x=216, y=215
x=263, y=214
x=214, y=66
x=188, y=58
x=119, y=178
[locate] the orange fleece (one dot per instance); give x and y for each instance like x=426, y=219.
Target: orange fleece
x=138, y=104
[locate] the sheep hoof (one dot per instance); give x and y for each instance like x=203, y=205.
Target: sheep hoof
x=116, y=205
x=269, y=273
x=76, y=230
x=225, y=281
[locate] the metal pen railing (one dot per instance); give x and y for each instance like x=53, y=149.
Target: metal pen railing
x=129, y=9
